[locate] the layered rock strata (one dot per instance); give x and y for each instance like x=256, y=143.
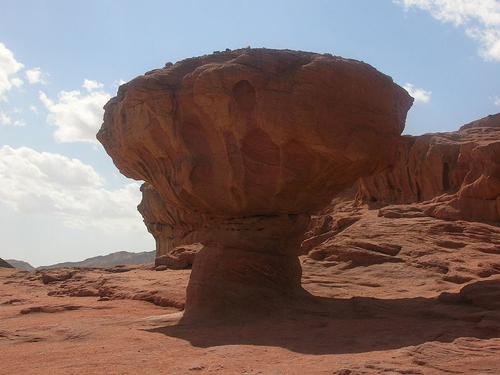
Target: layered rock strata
x=457, y=174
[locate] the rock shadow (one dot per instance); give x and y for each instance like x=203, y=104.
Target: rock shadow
x=318, y=325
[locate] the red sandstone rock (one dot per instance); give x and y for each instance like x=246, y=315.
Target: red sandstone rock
x=449, y=176
x=60, y=274
x=175, y=240
x=216, y=124
x=180, y=257
x=457, y=173
x=238, y=148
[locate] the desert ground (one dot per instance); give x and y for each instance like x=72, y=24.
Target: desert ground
x=431, y=307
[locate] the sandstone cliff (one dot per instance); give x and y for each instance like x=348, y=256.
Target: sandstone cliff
x=457, y=174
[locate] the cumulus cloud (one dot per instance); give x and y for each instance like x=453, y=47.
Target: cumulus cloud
x=35, y=182
x=479, y=18
x=34, y=76
x=9, y=67
x=76, y=115
x=91, y=85
x=420, y=95
x=496, y=101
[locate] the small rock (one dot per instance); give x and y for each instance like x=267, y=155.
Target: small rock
x=197, y=368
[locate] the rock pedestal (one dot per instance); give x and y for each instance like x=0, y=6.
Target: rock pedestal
x=247, y=264
x=238, y=148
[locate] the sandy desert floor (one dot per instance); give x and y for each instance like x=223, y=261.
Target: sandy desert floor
x=431, y=308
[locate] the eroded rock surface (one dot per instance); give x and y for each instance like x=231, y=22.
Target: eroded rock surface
x=456, y=173
x=435, y=209
x=238, y=148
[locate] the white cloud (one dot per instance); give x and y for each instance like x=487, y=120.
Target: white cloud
x=19, y=123
x=91, y=85
x=33, y=182
x=480, y=18
x=9, y=67
x=496, y=101
x=420, y=95
x=17, y=82
x=76, y=115
x=6, y=120
x=34, y=76
x=33, y=109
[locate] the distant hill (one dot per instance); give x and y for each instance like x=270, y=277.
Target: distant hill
x=102, y=261
x=19, y=264
x=110, y=260
x=4, y=264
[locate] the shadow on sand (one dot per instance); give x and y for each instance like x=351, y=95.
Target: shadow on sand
x=317, y=325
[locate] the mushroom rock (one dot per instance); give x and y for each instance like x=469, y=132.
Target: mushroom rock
x=456, y=174
x=238, y=148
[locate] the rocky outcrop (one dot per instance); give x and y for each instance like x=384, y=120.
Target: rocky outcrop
x=456, y=174
x=238, y=148
x=178, y=258
x=450, y=176
x=4, y=264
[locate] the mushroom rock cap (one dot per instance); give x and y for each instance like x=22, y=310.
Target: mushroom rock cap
x=254, y=131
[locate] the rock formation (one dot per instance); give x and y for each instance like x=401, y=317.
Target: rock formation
x=450, y=176
x=238, y=148
x=457, y=174
x=176, y=245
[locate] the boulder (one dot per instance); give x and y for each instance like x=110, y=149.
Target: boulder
x=238, y=149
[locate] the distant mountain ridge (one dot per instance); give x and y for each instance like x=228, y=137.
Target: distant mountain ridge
x=19, y=264
x=102, y=261
x=5, y=264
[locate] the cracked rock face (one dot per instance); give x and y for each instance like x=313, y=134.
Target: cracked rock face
x=238, y=148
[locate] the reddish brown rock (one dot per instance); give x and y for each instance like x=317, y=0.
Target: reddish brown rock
x=238, y=148
x=457, y=174
x=448, y=176
x=180, y=257
x=168, y=230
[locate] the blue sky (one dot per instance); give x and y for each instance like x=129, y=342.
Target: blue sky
x=61, y=198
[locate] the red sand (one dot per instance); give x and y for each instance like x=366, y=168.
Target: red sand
x=404, y=316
